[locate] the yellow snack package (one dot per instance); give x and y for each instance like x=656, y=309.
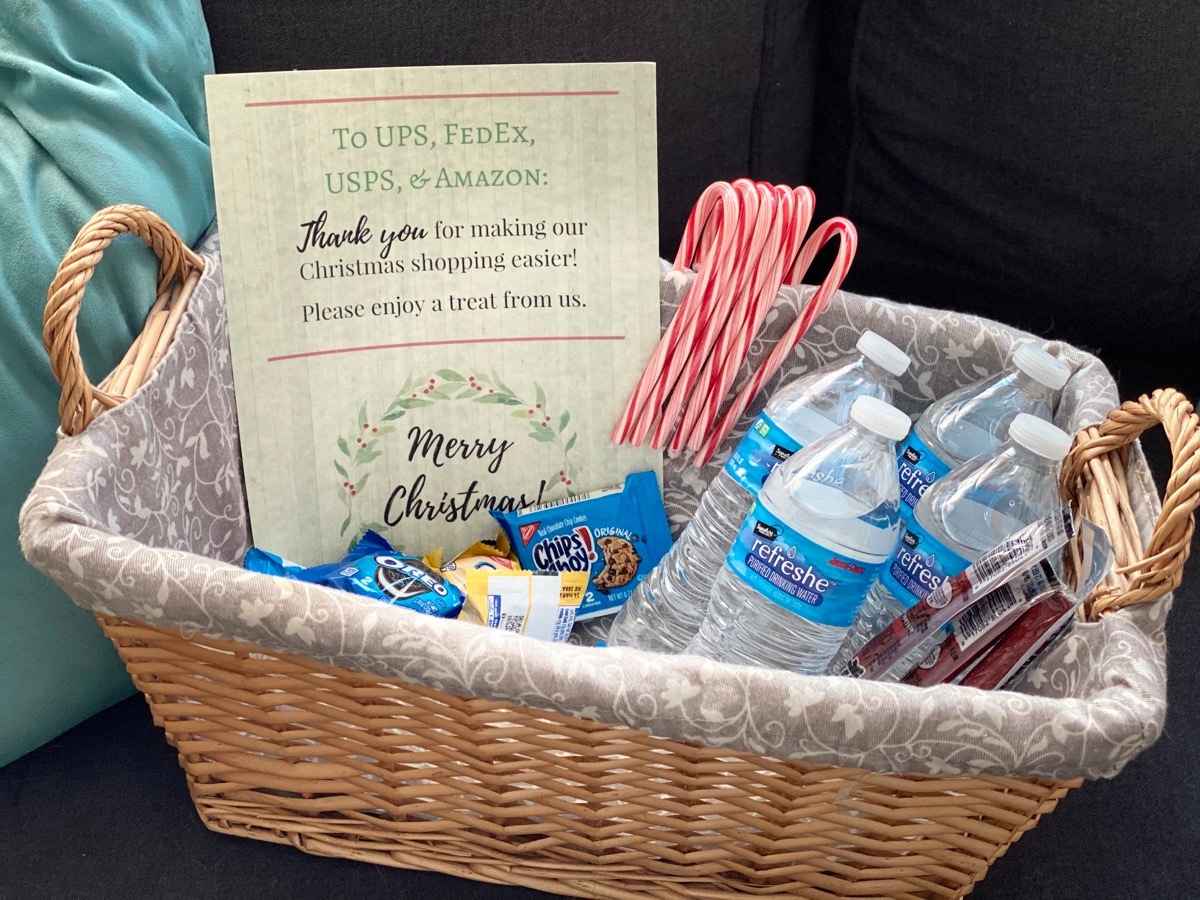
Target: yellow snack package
x=483, y=555
x=539, y=606
x=456, y=572
x=499, y=547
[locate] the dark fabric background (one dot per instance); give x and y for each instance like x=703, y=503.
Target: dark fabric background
x=1038, y=163
x=735, y=80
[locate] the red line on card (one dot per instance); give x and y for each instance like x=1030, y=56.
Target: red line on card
x=481, y=96
x=510, y=340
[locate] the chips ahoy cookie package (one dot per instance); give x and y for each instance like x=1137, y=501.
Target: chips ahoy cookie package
x=617, y=536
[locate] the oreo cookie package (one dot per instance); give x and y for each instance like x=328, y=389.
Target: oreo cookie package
x=372, y=569
x=617, y=536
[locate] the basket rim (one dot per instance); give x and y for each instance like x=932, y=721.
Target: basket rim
x=634, y=687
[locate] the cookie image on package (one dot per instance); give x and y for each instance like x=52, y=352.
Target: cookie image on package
x=621, y=563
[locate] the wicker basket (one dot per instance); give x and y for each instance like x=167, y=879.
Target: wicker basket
x=340, y=763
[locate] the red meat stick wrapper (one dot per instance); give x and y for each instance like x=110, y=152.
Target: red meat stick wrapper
x=1029, y=637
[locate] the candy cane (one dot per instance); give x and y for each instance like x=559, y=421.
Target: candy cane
x=709, y=223
x=718, y=271
x=761, y=240
x=755, y=262
x=796, y=209
x=705, y=217
x=697, y=224
x=742, y=238
x=756, y=216
x=836, y=227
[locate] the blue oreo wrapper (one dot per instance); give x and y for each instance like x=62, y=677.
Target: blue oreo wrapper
x=618, y=536
x=372, y=569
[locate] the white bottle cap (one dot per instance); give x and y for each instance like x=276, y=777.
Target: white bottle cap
x=1040, y=365
x=880, y=417
x=883, y=353
x=1039, y=436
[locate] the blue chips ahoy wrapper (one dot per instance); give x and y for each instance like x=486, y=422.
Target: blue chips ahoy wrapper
x=618, y=536
x=372, y=569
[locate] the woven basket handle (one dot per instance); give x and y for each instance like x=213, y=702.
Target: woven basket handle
x=80, y=400
x=1094, y=479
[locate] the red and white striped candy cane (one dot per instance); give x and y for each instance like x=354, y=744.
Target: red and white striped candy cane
x=714, y=214
x=754, y=269
x=717, y=274
x=756, y=214
x=826, y=231
x=796, y=212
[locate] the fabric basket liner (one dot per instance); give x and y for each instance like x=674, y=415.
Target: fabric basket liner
x=143, y=516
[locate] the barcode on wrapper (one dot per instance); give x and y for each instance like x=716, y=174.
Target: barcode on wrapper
x=984, y=614
x=1021, y=591
x=993, y=564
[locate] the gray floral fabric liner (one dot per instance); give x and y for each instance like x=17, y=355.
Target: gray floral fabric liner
x=144, y=516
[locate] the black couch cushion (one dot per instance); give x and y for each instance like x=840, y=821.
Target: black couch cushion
x=735, y=80
x=1036, y=163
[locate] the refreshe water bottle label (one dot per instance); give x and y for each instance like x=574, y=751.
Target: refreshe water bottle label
x=919, y=468
x=798, y=574
x=764, y=447
x=919, y=565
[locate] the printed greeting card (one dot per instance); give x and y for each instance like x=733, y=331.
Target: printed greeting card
x=442, y=287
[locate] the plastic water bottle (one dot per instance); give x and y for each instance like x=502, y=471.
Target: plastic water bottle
x=667, y=608
x=824, y=523
x=974, y=420
x=959, y=518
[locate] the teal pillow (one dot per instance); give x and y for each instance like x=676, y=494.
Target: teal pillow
x=100, y=103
